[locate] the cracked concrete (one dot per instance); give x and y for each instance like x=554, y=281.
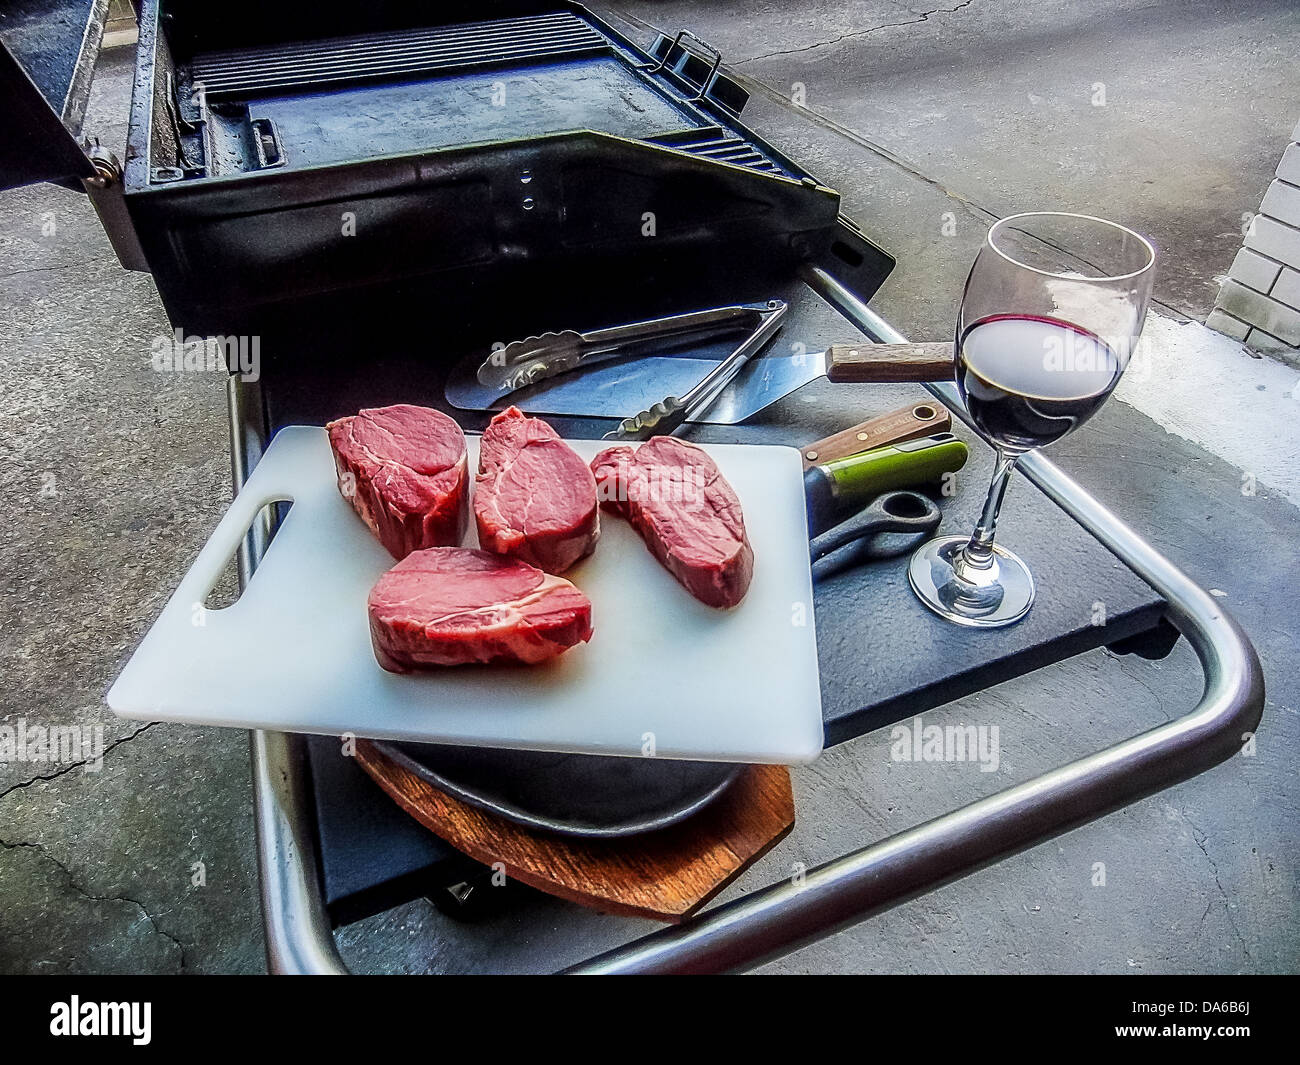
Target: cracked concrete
x=923, y=16
x=70, y=766
x=911, y=121
x=1228, y=901
x=72, y=883
x=114, y=477
x=166, y=826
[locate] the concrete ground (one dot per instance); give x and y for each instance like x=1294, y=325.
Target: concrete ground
x=932, y=121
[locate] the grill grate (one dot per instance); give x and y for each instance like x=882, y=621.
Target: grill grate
x=386, y=55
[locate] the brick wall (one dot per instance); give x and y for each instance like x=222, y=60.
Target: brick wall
x=1259, y=303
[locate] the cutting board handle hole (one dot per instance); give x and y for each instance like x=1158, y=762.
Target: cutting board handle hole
x=224, y=592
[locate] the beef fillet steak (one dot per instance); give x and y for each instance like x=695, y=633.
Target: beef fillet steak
x=404, y=470
x=686, y=512
x=534, y=498
x=452, y=606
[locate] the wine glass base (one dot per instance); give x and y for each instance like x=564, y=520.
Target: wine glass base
x=1001, y=596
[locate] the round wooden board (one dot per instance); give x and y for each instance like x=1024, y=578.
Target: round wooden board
x=666, y=875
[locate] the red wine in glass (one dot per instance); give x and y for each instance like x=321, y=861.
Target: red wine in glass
x=1052, y=307
x=1028, y=380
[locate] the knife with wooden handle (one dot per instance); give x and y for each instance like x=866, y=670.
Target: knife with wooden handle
x=907, y=423
x=881, y=363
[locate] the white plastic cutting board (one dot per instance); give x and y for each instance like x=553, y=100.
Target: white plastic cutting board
x=663, y=674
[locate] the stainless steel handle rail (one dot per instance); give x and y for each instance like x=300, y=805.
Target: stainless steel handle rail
x=781, y=918
x=298, y=936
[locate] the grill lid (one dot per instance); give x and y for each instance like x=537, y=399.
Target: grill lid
x=48, y=50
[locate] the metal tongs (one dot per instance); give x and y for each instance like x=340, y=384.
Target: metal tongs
x=668, y=414
x=526, y=362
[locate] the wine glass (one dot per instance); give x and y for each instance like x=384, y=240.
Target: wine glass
x=1049, y=318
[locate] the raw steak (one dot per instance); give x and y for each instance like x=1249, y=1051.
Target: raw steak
x=404, y=470
x=450, y=606
x=534, y=498
x=686, y=512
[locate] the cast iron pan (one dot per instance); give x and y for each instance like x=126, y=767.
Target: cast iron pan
x=569, y=794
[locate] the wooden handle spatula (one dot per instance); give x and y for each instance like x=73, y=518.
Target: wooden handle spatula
x=882, y=363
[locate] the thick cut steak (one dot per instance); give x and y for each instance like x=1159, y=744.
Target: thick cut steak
x=451, y=606
x=686, y=512
x=534, y=498
x=404, y=470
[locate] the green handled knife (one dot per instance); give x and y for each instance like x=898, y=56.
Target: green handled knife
x=836, y=488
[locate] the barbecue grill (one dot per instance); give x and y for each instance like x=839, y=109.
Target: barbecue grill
x=379, y=193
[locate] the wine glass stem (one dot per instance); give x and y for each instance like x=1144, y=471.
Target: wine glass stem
x=978, y=554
